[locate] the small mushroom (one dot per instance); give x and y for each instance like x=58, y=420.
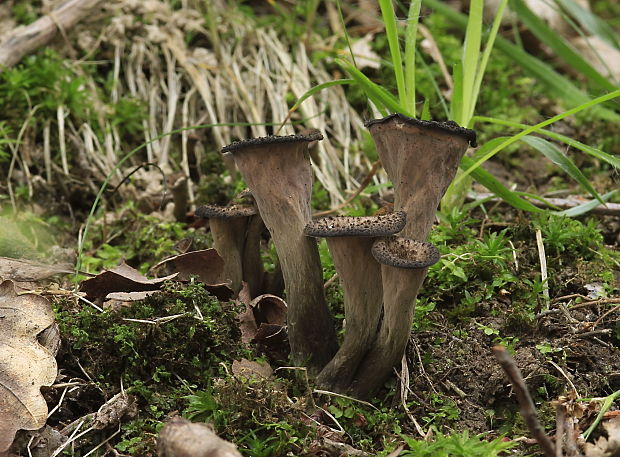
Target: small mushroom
x=229, y=229
x=404, y=266
x=350, y=240
x=278, y=173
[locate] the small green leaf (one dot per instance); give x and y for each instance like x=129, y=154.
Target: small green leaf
x=552, y=152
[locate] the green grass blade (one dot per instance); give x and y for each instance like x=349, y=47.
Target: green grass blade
x=488, y=180
x=553, y=153
x=391, y=32
x=410, y=42
x=585, y=207
x=470, y=60
x=486, y=55
x=614, y=161
x=544, y=33
x=537, y=127
x=558, y=85
x=593, y=24
x=426, y=112
x=378, y=95
x=456, y=108
x=313, y=91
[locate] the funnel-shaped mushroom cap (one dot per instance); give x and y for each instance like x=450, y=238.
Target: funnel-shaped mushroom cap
x=400, y=252
x=271, y=140
x=447, y=126
x=340, y=226
x=224, y=212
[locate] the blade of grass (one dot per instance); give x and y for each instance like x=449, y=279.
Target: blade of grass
x=553, y=153
x=597, y=153
x=377, y=94
x=585, y=207
x=559, y=46
x=313, y=91
x=557, y=84
x=410, y=42
x=470, y=60
x=485, y=56
x=456, y=108
x=391, y=32
x=537, y=127
x=593, y=24
x=488, y=180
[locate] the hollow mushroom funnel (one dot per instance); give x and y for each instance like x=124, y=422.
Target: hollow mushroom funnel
x=404, y=265
x=421, y=159
x=229, y=228
x=278, y=173
x=350, y=241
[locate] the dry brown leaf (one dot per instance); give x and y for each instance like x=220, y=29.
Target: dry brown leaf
x=120, y=279
x=25, y=365
x=264, y=319
x=248, y=368
x=30, y=270
x=181, y=438
x=606, y=447
x=206, y=264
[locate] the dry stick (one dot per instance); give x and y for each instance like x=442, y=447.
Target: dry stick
x=26, y=39
x=609, y=209
x=543, y=266
x=363, y=185
x=603, y=301
x=526, y=405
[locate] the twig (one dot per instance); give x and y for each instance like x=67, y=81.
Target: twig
x=602, y=301
x=543, y=266
x=526, y=405
x=26, y=39
x=609, y=209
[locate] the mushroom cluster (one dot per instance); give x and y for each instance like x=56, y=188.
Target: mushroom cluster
x=381, y=260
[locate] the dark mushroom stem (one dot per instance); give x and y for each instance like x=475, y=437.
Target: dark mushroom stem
x=350, y=240
x=229, y=228
x=404, y=266
x=278, y=173
x=421, y=159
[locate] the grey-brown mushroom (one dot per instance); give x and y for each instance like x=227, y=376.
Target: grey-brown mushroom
x=350, y=240
x=229, y=228
x=278, y=173
x=404, y=263
x=421, y=159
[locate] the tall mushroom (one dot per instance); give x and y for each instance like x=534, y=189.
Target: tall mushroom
x=404, y=265
x=421, y=159
x=278, y=173
x=350, y=241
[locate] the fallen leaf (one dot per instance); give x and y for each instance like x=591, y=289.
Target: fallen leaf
x=30, y=270
x=182, y=438
x=122, y=278
x=606, y=447
x=206, y=264
x=264, y=318
x=269, y=309
x=25, y=365
x=245, y=367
